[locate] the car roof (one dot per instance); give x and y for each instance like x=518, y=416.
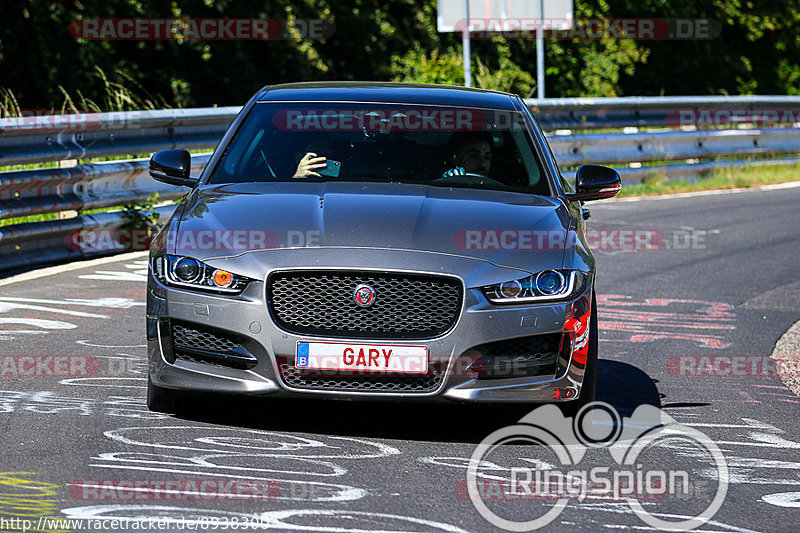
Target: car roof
x=387, y=92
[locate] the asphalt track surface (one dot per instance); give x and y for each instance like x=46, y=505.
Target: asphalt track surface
x=722, y=283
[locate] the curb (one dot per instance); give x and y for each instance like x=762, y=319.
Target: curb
x=787, y=357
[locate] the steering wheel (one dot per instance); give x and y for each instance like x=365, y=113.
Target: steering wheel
x=468, y=178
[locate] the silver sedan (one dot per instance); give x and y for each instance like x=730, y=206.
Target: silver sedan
x=376, y=240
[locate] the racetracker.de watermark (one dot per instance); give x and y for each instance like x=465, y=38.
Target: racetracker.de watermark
x=640, y=29
x=199, y=489
x=78, y=121
x=23, y=524
x=721, y=366
x=205, y=29
x=49, y=366
x=731, y=118
x=384, y=119
x=188, y=241
x=489, y=239
x=606, y=240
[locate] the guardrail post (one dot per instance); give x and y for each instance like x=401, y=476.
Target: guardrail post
x=71, y=213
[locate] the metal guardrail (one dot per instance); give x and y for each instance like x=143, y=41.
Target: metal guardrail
x=650, y=111
x=695, y=170
x=86, y=136
x=575, y=149
x=83, y=187
x=53, y=241
x=97, y=185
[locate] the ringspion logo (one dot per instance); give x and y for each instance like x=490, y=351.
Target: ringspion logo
x=649, y=453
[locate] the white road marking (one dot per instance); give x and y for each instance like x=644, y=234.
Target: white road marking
x=56, y=307
x=623, y=509
x=106, y=381
x=341, y=521
x=49, y=402
x=243, y=454
x=87, y=343
x=109, y=275
x=38, y=322
x=69, y=267
x=115, y=303
x=331, y=492
x=783, y=499
x=278, y=520
x=139, y=273
x=4, y=307
x=260, y=440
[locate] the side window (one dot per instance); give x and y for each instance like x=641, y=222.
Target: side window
x=242, y=148
x=537, y=131
x=567, y=185
x=528, y=157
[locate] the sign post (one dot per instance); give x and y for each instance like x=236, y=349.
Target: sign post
x=503, y=16
x=540, y=53
x=466, y=48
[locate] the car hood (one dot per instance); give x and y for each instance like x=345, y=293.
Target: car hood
x=515, y=230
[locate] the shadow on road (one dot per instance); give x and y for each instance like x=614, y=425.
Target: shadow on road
x=622, y=385
x=625, y=387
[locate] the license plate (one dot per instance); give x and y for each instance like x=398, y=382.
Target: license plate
x=394, y=358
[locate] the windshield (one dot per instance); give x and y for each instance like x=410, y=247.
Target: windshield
x=439, y=146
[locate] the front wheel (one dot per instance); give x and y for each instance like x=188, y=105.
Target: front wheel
x=161, y=400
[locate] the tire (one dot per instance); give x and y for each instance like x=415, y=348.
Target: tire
x=588, y=392
x=162, y=400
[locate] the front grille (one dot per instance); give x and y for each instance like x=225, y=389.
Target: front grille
x=421, y=383
x=406, y=306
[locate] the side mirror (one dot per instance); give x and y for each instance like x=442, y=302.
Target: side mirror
x=593, y=182
x=173, y=167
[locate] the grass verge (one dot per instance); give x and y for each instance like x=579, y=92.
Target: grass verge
x=724, y=178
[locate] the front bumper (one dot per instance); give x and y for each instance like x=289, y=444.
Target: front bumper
x=246, y=317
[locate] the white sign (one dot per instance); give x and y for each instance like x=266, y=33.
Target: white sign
x=503, y=15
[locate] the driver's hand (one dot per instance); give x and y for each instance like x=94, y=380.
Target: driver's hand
x=458, y=171
x=308, y=164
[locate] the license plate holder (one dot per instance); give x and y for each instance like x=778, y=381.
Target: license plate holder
x=361, y=357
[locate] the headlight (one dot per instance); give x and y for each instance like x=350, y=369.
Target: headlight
x=548, y=285
x=188, y=272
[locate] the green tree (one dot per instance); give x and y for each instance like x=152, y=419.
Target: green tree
x=757, y=51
